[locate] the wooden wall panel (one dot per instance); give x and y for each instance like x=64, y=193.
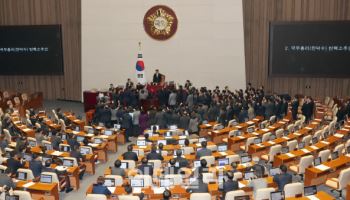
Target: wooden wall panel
x=36, y=12
x=258, y=13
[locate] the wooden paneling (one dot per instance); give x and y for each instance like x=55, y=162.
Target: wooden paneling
x=258, y=13
x=36, y=12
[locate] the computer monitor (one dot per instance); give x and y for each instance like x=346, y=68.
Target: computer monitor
x=124, y=165
x=156, y=126
x=47, y=146
x=334, y=155
x=277, y=195
x=90, y=131
x=285, y=149
x=32, y=143
x=192, y=180
x=165, y=182
x=314, y=140
x=141, y=142
x=222, y=178
x=196, y=163
x=274, y=171
x=310, y=190
x=234, y=123
x=222, y=148
x=80, y=138
x=161, y=141
x=98, y=140
x=11, y=197
x=44, y=178
x=202, y=139
x=67, y=163
x=64, y=137
x=236, y=133
x=77, y=128
x=108, y=132
x=168, y=134
x=243, y=197
x=136, y=183
x=85, y=150
x=27, y=156
x=173, y=127
x=246, y=159
x=109, y=182
x=136, y=151
x=317, y=161
x=22, y=176
x=286, y=132
x=65, y=148
x=301, y=145
x=181, y=142
x=249, y=175
x=186, y=133
x=250, y=129
x=116, y=126
x=257, y=140
x=272, y=137
x=223, y=162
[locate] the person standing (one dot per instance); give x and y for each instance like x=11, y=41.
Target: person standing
x=157, y=77
x=143, y=121
x=295, y=105
x=136, y=121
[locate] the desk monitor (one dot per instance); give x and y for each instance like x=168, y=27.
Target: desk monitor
x=90, y=131
x=202, y=139
x=165, y=182
x=85, y=150
x=47, y=146
x=168, y=134
x=80, y=138
x=277, y=195
x=32, y=143
x=257, y=140
x=301, y=145
x=334, y=155
x=64, y=137
x=141, y=142
x=108, y=132
x=173, y=127
x=236, y=133
x=67, y=163
x=222, y=148
x=272, y=137
x=234, y=123
x=285, y=149
x=22, y=176
x=98, y=140
x=124, y=165
x=251, y=129
x=65, y=148
x=27, y=156
x=249, y=175
x=44, y=178
x=161, y=141
x=186, y=133
x=182, y=142
x=243, y=197
x=156, y=127
x=77, y=128
x=223, y=162
x=11, y=197
x=314, y=140
x=116, y=126
x=196, y=163
x=109, y=182
x=136, y=183
x=310, y=190
x=274, y=171
x=136, y=151
x=246, y=159
x=317, y=161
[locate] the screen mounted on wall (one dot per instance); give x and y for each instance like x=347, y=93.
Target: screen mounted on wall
x=313, y=49
x=31, y=50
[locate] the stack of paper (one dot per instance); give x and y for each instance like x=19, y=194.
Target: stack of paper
x=75, y=132
x=271, y=142
x=314, y=147
x=76, y=120
x=242, y=137
x=271, y=127
x=255, y=133
x=182, y=137
x=28, y=184
x=312, y=197
x=250, y=122
x=238, y=127
x=266, y=129
x=282, y=122
x=285, y=137
x=259, y=145
x=90, y=135
x=318, y=120
x=27, y=129
x=305, y=150
x=322, y=167
x=297, y=134
x=207, y=125
x=290, y=155
x=324, y=142
x=338, y=135
x=93, y=145
x=56, y=153
x=309, y=128
x=158, y=190
x=223, y=153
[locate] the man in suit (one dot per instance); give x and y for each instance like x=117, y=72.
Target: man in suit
x=157, y=77
x=202, y=169
x=183, y=162
x=295, y=105
x=172, y=169
x=282, y=179
x=145, y=168
x=14, y=163
x=127, y=125
x=130, y=155
x=228, y=185
x=198, y=186
x=36, y=165
x=116, y=170
x=153, y=155
x=75, y=153
x=55, y=140
x=204, y=151
x=99, y=188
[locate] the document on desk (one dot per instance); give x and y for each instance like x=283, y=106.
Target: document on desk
x=285, y=137
x=322, y=167
x=282, y=122
x=94, y=145
x=75, y=132
x=250, y=122
x=207, y=125
x=271, y=142
x=315, y=123
x=305, y=150
x=290, y=155
x=111, y=189
x=314, y=147
x=27, y=185
x=312, y=197
x=260, y=145
x=56, y=153
x=241, y=185
x=265, y=129
x=309, y=128
x=241, y=137
x=182, y=137
x=255, y=133
x=136, y=190
x=272, y=127
x=339, y=135
x=238, y=127
x=345, y=129
x=27, y=129
x=297, y=134
x=318, y=119
x=158, y=190
x=104, y=136
x=76, y=120
x=90, y=135
x=223, y=153
x=324, y=142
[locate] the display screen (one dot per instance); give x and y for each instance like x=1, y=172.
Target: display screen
x=318, y=49
x=31, y=50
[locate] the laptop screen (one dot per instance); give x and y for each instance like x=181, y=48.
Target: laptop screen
x=317, y=161
x=98, y=140
x=274, y=171
x=48, y=146
x=314, y=140
x=80, y=138
x=85, y=150
x=173, y=127
x=91, y=131
x=136, y=182
x=11, y=197
x=196, y=163
x=32, y=143
x=249, y=175
x=45, y=178
x=310, y=190
x=21, y=175
x=124, y=165
x=165, y=182
x=116, y=126
x=245, y=159
x=108, y=132
x=257, y=140
x=334, y=155
x=109, y=182
x=301, y=145
x=181, y=142
x=285, y=149
x=67, y=163
x=223, y=162
x=27, y=157
x=141, y=142
x=276, y=195
x=222, y=148
x=272, y=137
x=250, y=129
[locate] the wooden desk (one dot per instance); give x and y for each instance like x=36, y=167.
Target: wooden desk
x=348, y=191
x=320, y=195
x=205, y=128
x=48, y=191
x=74, y=120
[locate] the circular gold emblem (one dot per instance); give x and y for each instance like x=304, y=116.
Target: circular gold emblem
x=160, y=22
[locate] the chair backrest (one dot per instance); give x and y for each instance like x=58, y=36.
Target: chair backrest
x=200, y=196
x=231, y=122
x=279, y=133
x=29, y=173
x=344, y=178
x=339, y=148
x=293, y=189
x=326, y=100
x=273, y=151
x=272, y=119
x=318, y=134
x=208, y=177
x=305, y=162
x=176, y=177
x=117, y=179
x=96, y=197
x=63, y=124
x=210, y=160
x=307, y=140
x=292, y=144
x=264, y=123
x=233, y=158
x=263, y=193
x=249, y=142
x=147, y=179
x=23, y=195
x=290, y=128
x=212, y=147
x=324, y=155
x=131, y=163
x=232, y=194
x=188, y=150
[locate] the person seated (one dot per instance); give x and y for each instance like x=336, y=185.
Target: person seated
x=198, y=186
x=3, y=143
x=172, y=169
x=148, y=141
x=55, y=140
x=202, y=169
x=258, y=182
x=14, y=163
x=183, y=162
x=234, y=167
x=36, y=165
x=99, y=188
x=72, y=141
x=204, y=151
x=130, y=155
x=75, y=153
x=116, y=170
x=145, y=168
x=62, y=177
x=282, y=179
x=229, y=184
x=166, y=194
x=153, y=155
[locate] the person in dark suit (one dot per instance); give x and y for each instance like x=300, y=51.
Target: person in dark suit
x=183, y=162
x=295, y=105
x=35, y=165
x=116, y=170
x=204, y=151
x=153, y=155
x=282, y=179
x=157, y=77
x=307, y=109
x=99, y=188
x=228, y=185
x=202, y=169
x=198, y=186
x=55, y=140
x=172, y=169
x=14, y=163
x=145, y=168
x=72, y=141
x=130, y=155
x=127, y=125
x=284, y=108
x=75, y=153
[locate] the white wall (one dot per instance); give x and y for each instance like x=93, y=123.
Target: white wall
x=208, y=47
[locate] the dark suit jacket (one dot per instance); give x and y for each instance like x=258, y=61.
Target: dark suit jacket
x=157, y=78
x=203, y=152
x=229, y=185
x=198, y=187
x=100, y=189
x=281, y=180
x=13, y=165
x=118, y=171
x=154, y=156
x=129, y=155
x=76, y=154
x=146, y=169
x=36, y=167
x=182, y=161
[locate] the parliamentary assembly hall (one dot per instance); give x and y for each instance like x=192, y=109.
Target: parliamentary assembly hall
x=174, y=100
